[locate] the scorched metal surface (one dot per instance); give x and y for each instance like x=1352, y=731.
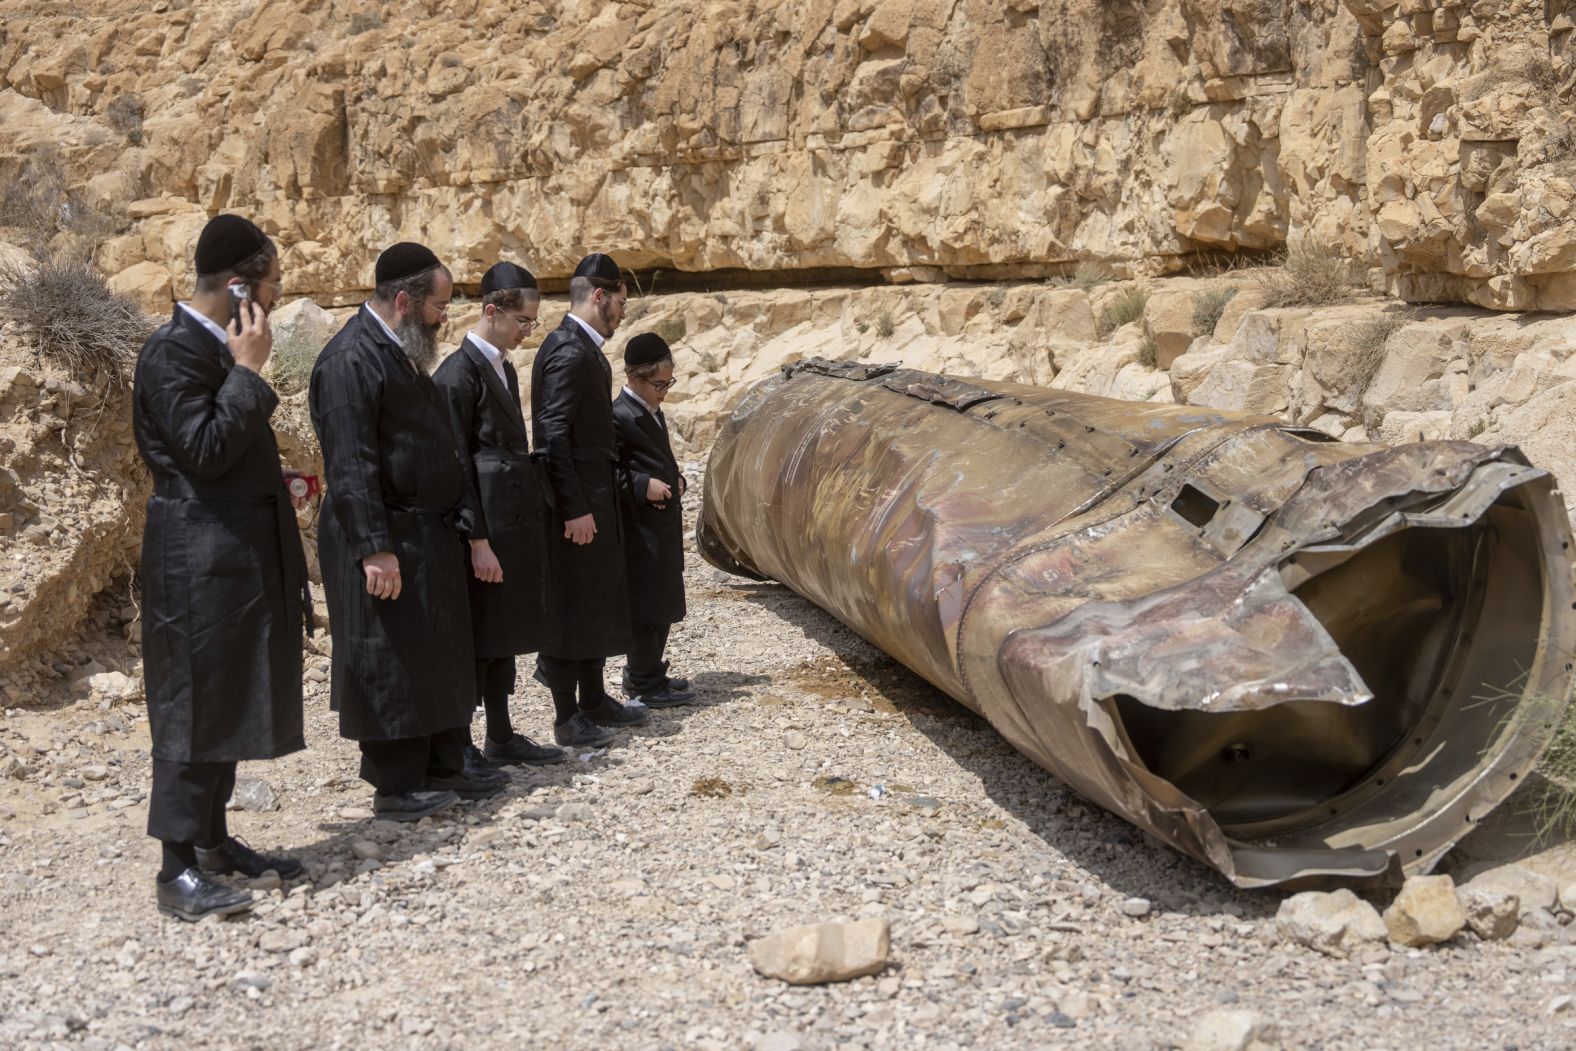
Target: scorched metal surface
x=1295, y=659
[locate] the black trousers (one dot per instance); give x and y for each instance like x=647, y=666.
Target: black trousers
x=564, y=674
x=187, y=802
x=495, y=676
x=403, y=765
x=648, y=672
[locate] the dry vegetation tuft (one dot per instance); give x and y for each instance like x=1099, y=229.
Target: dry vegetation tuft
x=1207, y=309
x=52, y=218
x=1127, y=307
x=1310, y=275
x=64, y=308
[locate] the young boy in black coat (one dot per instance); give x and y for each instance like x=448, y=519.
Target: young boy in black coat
x=653, y=489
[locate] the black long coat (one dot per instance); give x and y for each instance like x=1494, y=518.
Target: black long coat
x=572, y=425
x=223, y=575
x=394, y=482
x=484, y=412
x=653, y=536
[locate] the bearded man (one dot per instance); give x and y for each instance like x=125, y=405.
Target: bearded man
x=397, y=494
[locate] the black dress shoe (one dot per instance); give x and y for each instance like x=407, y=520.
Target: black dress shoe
x=191, y=896
x=411, y=806
x=478, y=768
x=579, y=732
x=604, y=711
x=677, y=685
x=521, y=749
x=233, y=855
x=667, y=697
x=466, y=786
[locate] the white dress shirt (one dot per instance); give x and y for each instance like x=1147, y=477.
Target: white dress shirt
x=379, y=318
x=493, y=355
x=218, y=333
x=642, y=403
x=596, y=337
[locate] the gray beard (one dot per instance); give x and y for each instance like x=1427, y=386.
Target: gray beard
x=420, y=344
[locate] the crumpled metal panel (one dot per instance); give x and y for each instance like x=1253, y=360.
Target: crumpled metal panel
x=1294, y=659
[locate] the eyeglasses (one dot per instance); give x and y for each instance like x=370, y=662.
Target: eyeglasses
x=663, y=385
x=530, y=324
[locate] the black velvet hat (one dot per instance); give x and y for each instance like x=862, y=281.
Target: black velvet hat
x=600, y=266
x=646, y=349
x=501, y=276
x=406, y=259
x=226, y=242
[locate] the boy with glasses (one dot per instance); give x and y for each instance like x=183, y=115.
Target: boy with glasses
x=483, y=396
x=652, y=487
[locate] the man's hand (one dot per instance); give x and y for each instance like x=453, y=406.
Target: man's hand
x=580, y=530
x=382, y=571
x=658, y=492
x=251, y=340
x=484, y=563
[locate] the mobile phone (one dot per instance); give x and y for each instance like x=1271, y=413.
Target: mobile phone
x=238, y=294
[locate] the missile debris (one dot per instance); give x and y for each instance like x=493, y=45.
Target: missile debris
x=1295, y=659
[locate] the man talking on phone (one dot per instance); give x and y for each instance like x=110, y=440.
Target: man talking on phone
x=223, y=575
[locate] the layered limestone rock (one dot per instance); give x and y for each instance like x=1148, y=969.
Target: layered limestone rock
x=1428, y=139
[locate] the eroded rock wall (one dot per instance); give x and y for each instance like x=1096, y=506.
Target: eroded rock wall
x=1428, y=139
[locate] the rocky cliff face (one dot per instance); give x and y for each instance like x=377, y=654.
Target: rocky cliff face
x=1427, y=139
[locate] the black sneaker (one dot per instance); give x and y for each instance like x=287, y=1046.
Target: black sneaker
x=521, y=749
x=579, y=732
x=233, y=855
x=466, y=786
x=604, y=711
x=411, y=806
x=191, y=896
x=667, y=697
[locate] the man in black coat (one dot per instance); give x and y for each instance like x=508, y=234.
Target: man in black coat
x=397, y=500
x=653, y=488
x=224, y=578
x=483, y=395
x=572, y=422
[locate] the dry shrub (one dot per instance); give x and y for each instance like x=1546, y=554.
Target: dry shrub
x=1127, y=307
x=1207, y=309
x=43, y=208
x=884, y=325
x=671, y=329
x=1368, y=342
x=1310, y=275
x=70, y=315
x=290, y=365
x=124, y=114
x=1148, y=354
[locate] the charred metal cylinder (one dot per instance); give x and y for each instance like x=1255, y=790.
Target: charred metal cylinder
x=1295, y=659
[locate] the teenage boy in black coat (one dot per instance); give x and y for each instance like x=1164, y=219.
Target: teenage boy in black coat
x=483, y=395
x=653, y=489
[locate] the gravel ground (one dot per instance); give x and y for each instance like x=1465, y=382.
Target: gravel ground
x=607, y=901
